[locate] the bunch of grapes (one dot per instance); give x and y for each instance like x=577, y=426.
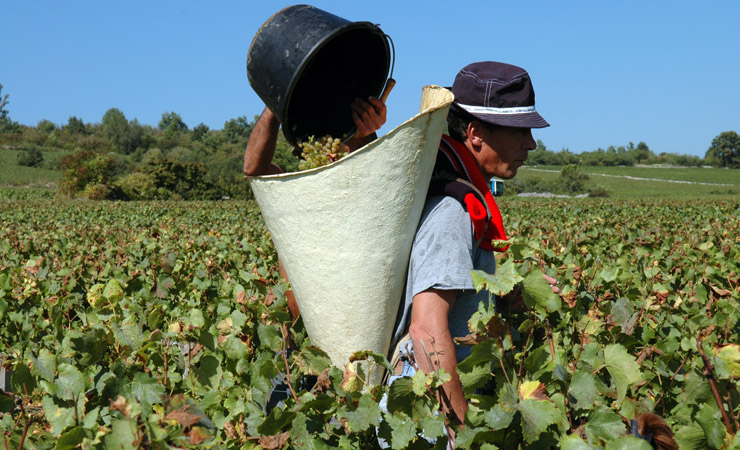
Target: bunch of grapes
x=317, y=153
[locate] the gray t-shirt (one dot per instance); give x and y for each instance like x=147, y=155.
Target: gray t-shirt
x=442, y=256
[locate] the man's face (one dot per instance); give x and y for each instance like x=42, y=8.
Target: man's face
x=503, y=151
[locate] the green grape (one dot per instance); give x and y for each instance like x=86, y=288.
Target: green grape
x=317, y=153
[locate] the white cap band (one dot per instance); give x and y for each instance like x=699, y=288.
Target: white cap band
x=486, y=110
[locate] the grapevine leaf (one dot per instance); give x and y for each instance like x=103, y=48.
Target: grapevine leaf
x=583, y=390
x=730, y=355
x=121, y=435
x=70, y=382
x=312, y=361
x=22, y=381
x=691, y=437
x=276, y=422
x=628, y=443
x=500, y=283
x=537, y=415
x=112, y=291
x=537, y=293
x=605, y=424
x=366, y=414
x=403, y=431
x=623, y=368
x=710, y=422
x=58, y=417
x=70, y=439
x=574, y=442
x=498, y=419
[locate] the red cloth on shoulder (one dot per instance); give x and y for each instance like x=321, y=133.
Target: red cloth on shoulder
x=479, y=202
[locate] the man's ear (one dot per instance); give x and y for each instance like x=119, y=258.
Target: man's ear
x=475, y=133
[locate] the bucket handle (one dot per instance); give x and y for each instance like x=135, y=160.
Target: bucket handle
x=390, y=83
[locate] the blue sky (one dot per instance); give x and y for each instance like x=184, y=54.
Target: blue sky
x=605, y=73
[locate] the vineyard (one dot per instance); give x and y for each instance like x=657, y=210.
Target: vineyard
x=165, y=325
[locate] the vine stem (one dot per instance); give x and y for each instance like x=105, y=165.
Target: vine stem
x=166, y=354
x=287, y=366
x=549, y=338
x=28, y=421
x=709, y=373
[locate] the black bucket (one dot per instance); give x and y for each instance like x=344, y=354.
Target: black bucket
x=308, y=66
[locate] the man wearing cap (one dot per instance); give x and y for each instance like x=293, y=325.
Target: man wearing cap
x=490, y=135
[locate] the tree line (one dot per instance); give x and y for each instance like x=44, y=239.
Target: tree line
x=119, y=158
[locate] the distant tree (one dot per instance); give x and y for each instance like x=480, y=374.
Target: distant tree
x=3, y=103
x=172, y=123
x=572, y=180
x=725, y=150
x=237, y=129
x=46, y=126
x=116, y=128
x=6, y=124
x=641, y=153
x=124, y=135
x=84, y=170
x=199, y=132
x=76, y=126
x=30, y=156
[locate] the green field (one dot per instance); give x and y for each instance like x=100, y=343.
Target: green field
x=12, y=174
x=726, y=182
x=691, y=174
x=165, y=324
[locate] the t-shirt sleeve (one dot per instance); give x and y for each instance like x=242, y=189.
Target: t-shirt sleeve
x=442, y=253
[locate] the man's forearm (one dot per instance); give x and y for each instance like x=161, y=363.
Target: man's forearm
x=261, y=146
x=441, y=351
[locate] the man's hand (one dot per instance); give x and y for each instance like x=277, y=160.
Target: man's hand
x=513, y=302
x=368, y=116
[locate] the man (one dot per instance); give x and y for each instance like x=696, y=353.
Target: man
x=368, y=117
x=490, y=126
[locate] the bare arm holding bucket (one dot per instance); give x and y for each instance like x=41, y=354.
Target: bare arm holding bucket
x=368, y=116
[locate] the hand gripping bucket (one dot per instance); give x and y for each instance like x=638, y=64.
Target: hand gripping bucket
x=308, y=66
x=344, y=231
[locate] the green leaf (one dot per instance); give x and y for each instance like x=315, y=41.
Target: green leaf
x=623, y=368
x=537, y=293
x=691, y=437
x=583, y=390
x=113, y=292
x=574, y=442
x=276, y=422
x=605, y=424
x=628, y=443
x=71, y=439
x=537, y=415
x=498, y=419
x=710, y=422
x=22, y=382
x=365, y=415
x=121, y=435
x=70, y=382
x=730, y=355
x=403, y=431
x=58, y=417
x=269, y=337
x=145, y=389
x=312, y=361
x=500, y=283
